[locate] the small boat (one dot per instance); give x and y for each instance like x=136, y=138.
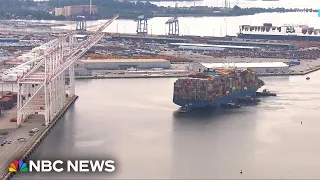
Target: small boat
x=230, y=105
x=308, y=78
x=265, y=92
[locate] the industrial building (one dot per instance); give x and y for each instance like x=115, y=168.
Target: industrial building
x=210, y=46
x=149, y=39
x=200, y=49
x=255, y=44
x=9, y=40
x=80, y=37
x=259, y=67
x=122, y=64
x=68, y=11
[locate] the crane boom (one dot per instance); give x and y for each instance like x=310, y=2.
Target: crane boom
x=83, y=47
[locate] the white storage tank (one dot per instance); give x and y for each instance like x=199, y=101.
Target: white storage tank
x=10, y=77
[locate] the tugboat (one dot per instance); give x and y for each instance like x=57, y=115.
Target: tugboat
x=230, y=105
x=308, y=78
x=185, y=109
x=248, y=99
x=265, y=92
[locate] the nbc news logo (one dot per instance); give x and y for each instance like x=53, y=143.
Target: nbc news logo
x=18, y=166
x=59, y=166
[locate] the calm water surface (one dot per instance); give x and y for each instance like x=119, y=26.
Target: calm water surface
x=135, y=122
x=217, y=26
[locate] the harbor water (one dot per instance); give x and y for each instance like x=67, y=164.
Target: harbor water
x=135, y=122
x=217, y=26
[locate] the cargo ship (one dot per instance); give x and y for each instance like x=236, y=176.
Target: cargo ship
x=286, y=32
x=215, y=87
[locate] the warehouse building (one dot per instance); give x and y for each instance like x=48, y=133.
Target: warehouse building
x=149, y=39
x=9, y=40
x=255, y=44
x=122, y=64
x=208, y=46
x=68, y=11
x=260, y=67
x=200, y=49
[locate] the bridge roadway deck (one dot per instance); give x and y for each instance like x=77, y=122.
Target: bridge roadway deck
x=16, y=150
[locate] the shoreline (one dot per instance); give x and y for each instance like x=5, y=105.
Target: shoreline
x=40, y=137
x=136, y=76
x=246, y=12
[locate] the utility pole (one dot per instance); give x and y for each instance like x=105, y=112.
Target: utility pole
x=226, y=26
x=151, y=29
x=90, y=6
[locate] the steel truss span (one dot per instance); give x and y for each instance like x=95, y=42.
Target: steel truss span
x=42, y=84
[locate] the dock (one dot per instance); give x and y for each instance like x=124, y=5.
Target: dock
x=292, y=73
x=129, y=76
x=120, y=76
x=22, y=150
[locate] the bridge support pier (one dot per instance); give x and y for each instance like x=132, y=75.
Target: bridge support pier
x=72, y=80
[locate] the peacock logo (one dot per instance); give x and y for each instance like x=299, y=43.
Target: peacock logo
x=18, y=166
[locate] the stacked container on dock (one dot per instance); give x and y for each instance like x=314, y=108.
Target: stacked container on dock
x=208, y=86
x=6, y=103
x=12, y=95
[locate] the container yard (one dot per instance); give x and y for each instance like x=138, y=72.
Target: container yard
x=180, y=52
x=215, y=87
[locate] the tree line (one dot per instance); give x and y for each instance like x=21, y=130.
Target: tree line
x=29, y=9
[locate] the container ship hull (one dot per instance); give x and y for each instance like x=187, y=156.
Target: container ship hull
x=279, y=37
x=217, y=102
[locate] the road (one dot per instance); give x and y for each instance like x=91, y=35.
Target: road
x=15, y=150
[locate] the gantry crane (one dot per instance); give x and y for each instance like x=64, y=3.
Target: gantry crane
x=42, y=89
x=173, y=23
x=142, y=23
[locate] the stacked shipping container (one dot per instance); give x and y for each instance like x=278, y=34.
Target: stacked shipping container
x=7, y=100
x=203, y=88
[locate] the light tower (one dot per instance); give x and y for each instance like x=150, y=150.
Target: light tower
x=90, y=6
